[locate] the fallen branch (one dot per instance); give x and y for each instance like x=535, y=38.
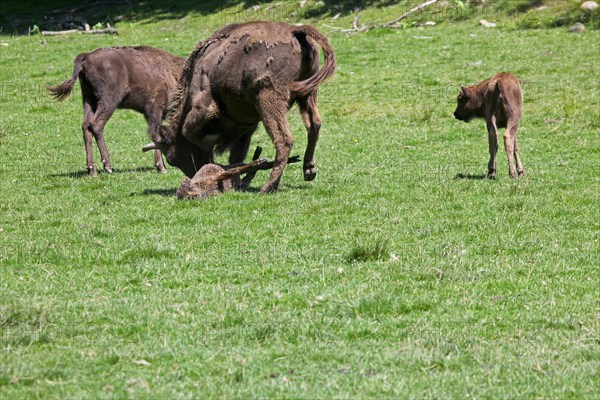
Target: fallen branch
x=108, y=30
x=56, y=33
x=406, y=14
x=356, y=29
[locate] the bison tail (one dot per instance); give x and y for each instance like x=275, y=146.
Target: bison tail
x=305, y=87
x=62, y=91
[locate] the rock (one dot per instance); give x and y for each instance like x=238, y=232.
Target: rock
x=577, y=28
x=474, y=64
x=589, y=5
x=487, y=24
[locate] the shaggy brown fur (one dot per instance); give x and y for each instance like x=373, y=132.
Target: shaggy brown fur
x=499, y=100
x=138, y=78
x=213, y=179
x=244, y=74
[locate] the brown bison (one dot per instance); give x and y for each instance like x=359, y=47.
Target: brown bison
x=499, y=100
x=137, y=78
x=241, y=75
x=213, y=179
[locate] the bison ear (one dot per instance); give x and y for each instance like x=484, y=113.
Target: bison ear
x=463, y=91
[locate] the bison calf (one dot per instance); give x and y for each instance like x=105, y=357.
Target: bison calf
x=137, y=78
x=213, y=179
x=499, y=100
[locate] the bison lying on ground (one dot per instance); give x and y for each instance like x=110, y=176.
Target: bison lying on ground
x=213, y=179
x=498, y=100
x=137, y=78
x=241, y=75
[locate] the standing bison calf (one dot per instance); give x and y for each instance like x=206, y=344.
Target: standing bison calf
x=499, y=100
x=137, y=78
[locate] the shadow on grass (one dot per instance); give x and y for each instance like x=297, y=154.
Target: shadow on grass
x=76, y=175
x=474, y=177
x=282, y=188
x=253, y=190
x=157, y=192
x=84, y=174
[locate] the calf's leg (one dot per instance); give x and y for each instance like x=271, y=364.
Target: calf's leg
x=520, y=170
x=252, y=166
x=493, y=146
x=509, y=146
x=312, y=122
x=88, y=113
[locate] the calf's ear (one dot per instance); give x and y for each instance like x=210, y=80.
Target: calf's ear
x=463, y=91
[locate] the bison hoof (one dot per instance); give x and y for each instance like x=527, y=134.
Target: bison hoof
x=491, y=174
x=108, y=170
x=92, y=172
x=521, y=173
x=268, y=189
x=310, y=173
x=162, y=170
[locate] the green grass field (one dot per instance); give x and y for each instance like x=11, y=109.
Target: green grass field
x=398, y=273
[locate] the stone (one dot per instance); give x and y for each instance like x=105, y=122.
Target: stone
x=577, y=28
x=589, y=5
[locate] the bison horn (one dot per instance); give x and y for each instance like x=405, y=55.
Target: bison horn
x=151, y=146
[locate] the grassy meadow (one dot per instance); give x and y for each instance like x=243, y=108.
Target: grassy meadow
x=399, y=272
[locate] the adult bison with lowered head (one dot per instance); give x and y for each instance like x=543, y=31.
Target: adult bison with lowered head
x=241, y=75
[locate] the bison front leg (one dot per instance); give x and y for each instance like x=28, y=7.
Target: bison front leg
x=312, y=122
x=493, y=146
x=273, y=112
x=239, y=149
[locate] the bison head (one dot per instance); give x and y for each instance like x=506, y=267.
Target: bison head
x=180, y=152
x=467, y=106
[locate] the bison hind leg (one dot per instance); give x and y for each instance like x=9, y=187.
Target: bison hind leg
x=312, y=123
x=273, y=112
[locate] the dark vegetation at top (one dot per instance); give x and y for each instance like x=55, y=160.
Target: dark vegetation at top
x=18, y=18
x=22, y=18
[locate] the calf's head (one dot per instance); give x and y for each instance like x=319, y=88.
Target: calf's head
x=468, y=105
x=179, y=152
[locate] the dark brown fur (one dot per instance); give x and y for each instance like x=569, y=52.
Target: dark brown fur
x=242, y=75
x=213, y=179
x=499, y=100
x=138, y=78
